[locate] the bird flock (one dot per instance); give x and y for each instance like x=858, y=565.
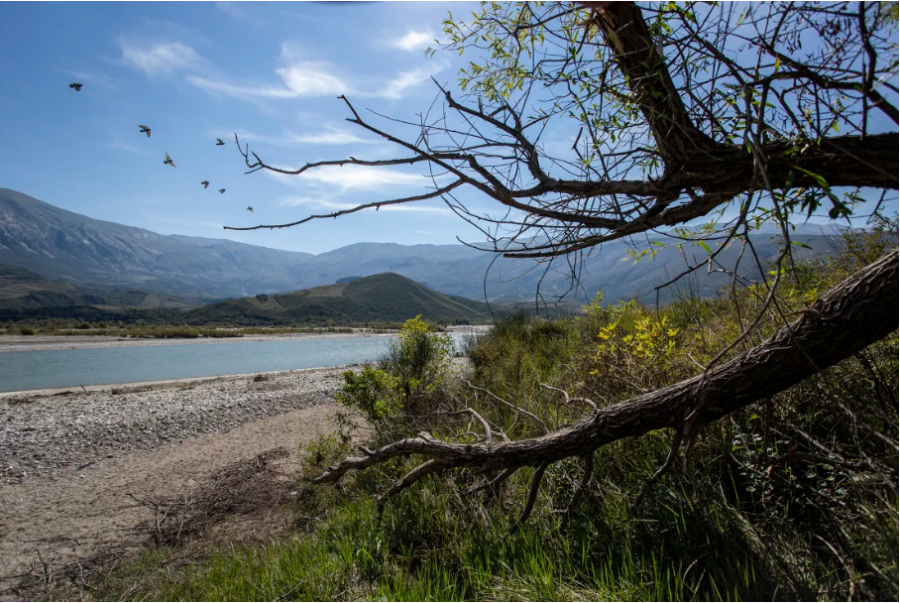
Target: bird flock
x=168, y=161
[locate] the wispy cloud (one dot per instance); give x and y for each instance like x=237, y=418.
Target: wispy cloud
x=331, y=180
x=394, y=89
x=244, y=92
x=314, y=203
x=333, y=137
x=305, y=78
x=413, y=40
x=161, y=58
x=329, y=136
x=301, y=77
x=357, y=177
x=308, y=78
x=414, y=207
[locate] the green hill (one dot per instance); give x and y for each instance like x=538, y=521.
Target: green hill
x=25, y=295
x=385, y=297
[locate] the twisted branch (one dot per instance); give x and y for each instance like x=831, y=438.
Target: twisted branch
x=852, y=315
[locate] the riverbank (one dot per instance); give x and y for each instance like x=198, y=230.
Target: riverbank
x=47, y=433
x=70, y=460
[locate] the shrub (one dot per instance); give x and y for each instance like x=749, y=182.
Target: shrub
x=393, y=393
x=372, y=391
x=420, y=357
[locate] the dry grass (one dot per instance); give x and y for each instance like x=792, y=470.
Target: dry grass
x=239, y=488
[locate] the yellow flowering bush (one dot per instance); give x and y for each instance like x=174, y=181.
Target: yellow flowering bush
x=634, y=352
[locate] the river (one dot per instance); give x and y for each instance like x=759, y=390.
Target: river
x=46, y=369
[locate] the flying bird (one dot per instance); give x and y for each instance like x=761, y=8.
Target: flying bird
x=145, y=130
x=205, y=183
x=220, y=142
x=169, y=161
x=76, y=85
x=250, y=208
x=221, y=191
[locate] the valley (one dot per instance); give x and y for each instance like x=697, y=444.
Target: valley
x=164, y=272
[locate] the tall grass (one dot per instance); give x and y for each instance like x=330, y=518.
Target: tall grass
x=793, y=498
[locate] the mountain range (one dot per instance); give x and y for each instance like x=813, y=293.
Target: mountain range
x=91, y=253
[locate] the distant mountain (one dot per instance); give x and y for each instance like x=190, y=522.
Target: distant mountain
x=83, y=251
x=380, y=298
x=76, y=249
x=21, y=289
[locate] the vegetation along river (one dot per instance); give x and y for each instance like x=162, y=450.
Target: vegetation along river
x=44, y=369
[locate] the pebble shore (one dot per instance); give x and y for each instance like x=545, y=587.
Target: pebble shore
x=46, y=435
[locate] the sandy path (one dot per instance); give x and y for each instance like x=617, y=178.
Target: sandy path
x=87, y=511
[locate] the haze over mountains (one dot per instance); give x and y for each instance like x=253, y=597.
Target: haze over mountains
x=76, y=249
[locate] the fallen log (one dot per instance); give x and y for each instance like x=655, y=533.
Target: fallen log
x=851, y=316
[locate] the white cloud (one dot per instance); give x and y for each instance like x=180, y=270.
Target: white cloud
x=333, y=137
x=160, y=58
x=237, y=91
x=305, y=78
x=329, y=205
x=301, y=77
x=414, y=207
x=312, y=202
x=413, y=40
x=394, y=88
x=308, y=78
x=292, y=139
x=350, y=177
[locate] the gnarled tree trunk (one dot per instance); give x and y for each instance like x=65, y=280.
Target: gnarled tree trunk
x=852, y=315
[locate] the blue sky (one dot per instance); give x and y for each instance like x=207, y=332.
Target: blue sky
x=197, y=71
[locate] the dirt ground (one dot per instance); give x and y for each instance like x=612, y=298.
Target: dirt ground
x=50, y=523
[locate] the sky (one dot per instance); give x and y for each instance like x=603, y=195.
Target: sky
x=194, y=72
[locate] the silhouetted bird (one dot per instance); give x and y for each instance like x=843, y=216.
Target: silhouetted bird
x=205, y=183
x=145, y=130
x=221, y=191
x=76, y=85
x=250, y=208
x=169, y=160
x=220, y=142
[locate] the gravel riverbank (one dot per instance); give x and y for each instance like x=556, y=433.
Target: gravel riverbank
x=47, y=435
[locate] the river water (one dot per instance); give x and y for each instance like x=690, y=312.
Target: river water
x=44, y=369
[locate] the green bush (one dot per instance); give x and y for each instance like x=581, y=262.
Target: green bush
x=372, y=391
x=396, y=390
x=420, y=357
